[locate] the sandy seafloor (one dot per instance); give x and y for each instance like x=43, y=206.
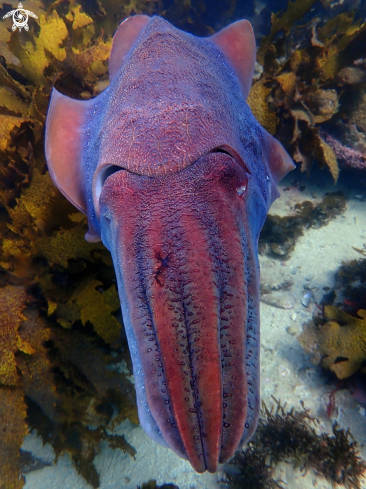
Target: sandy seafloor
x=286, y=370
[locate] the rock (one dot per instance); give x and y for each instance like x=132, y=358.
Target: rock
x=292, y=330
x=351, y=76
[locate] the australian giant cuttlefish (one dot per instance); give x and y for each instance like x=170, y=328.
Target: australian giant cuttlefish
x=176, y=177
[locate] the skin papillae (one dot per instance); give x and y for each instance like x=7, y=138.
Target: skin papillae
x=176, y=177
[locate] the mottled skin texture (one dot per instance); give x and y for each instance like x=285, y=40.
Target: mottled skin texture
x=174, y=99
x=188, y=304
x=176, y=177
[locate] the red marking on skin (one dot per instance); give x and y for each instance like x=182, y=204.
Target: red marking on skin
x=163, y=265
x=172, y=154
x=194, y=369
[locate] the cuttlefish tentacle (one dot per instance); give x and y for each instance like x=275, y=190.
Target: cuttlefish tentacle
x=190, y=323
x=176, y=177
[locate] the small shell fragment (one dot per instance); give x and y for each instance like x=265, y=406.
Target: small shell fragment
x=306, y=299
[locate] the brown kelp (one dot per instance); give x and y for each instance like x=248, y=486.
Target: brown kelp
x=312, y=87
x=339, y=344
x=64, y=367
x=292, y=436
x=58, y=299
x=336, y=338
x=61, y=351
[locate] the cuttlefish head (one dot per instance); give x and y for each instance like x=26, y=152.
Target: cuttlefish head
x=184, y=247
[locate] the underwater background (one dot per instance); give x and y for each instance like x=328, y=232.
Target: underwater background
x=68, y=415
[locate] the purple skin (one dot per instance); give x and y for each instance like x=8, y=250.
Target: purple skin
x=176, y=177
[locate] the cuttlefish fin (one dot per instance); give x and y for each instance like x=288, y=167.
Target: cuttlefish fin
x=237, y=43
x=63, y=146
x=123, y=41
x=279, y=161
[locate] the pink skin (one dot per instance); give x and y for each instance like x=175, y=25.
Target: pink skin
x=177, y=245
x=176, y=176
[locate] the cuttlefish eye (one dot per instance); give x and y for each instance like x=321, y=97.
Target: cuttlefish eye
x=241, y=190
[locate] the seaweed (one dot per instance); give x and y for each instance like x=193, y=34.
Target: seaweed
x=283, y=22
x=351, y=278
x=337, y=338
x=291, y=436
x=304, y=91
x=257, y=101
x=337, y=458
x=279, y=234
x=248, y=469
x=286, y=434
x=352, y=271
x=61, y=342
x=13, y=430
x=12, y=406
x=58, y=348
x=339, y=343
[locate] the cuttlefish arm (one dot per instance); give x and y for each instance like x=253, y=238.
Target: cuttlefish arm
x=176, y=177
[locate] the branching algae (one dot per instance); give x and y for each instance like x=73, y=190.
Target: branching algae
x=49, y=275
x=291, y=436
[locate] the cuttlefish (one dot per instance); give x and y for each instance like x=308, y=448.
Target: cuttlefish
x=176, y=177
